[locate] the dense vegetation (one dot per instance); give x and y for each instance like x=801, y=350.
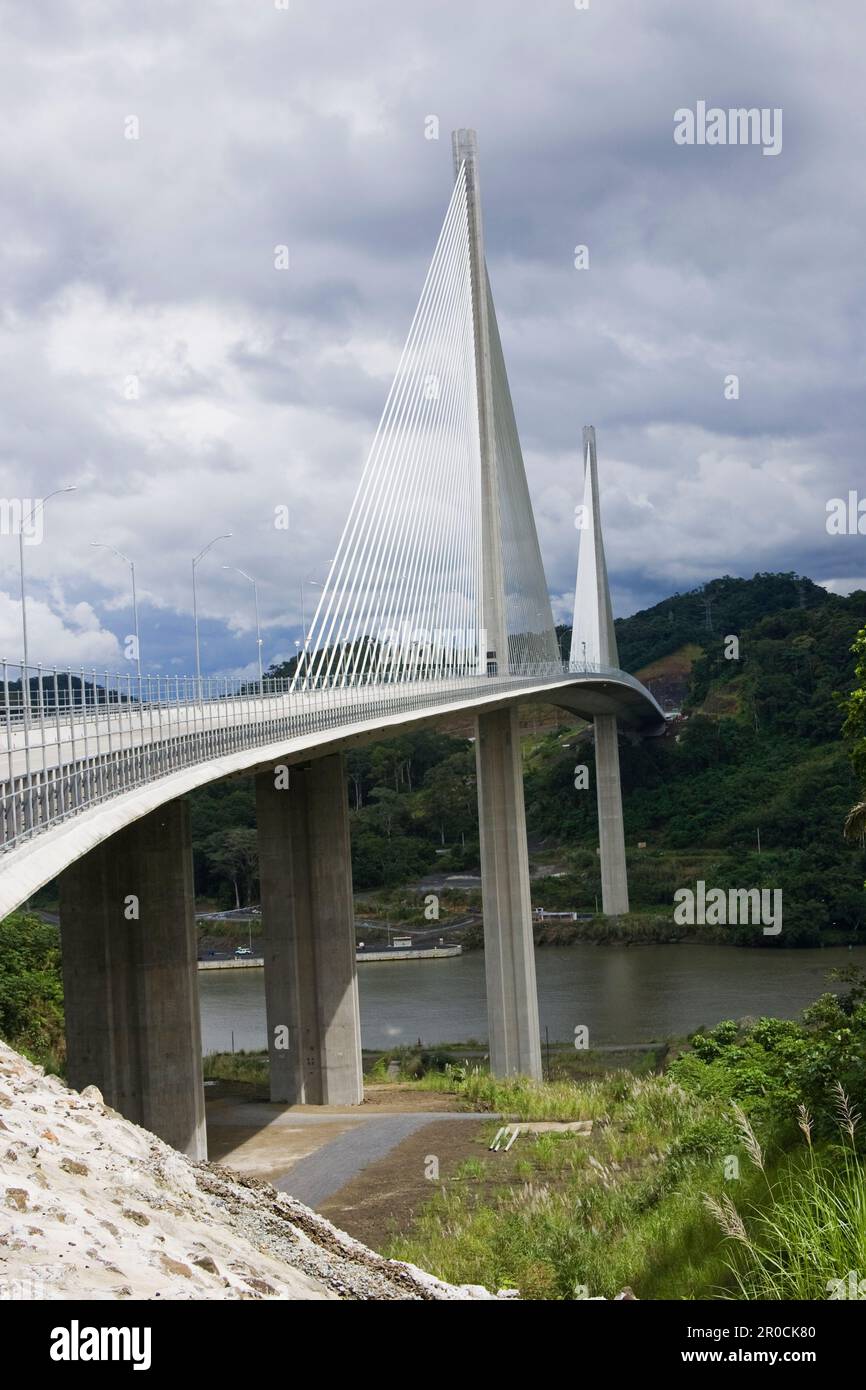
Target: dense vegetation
x=31, y=990
x=412, y=805
x=855, y=731
x=722, y=606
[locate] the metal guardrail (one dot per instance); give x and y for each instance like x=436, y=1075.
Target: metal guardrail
x=77, y=739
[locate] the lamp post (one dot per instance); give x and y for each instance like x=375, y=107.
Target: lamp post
x=238, y=570
x=25, y=678
x=196, y=558
x=101, y=545
x=304, y=633
x=316, y=584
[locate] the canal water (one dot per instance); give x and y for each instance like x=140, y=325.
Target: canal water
x=623, y=995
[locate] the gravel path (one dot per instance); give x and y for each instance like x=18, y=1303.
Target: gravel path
x=316, y=1178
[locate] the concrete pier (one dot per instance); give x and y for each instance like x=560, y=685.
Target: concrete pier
x=127, y=921
x=311, y=986
x=611, y=837
x=509, y=957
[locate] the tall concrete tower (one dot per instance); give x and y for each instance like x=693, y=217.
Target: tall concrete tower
x=593, y=644
x=593, y=640
x=464, y=145
x=509, y=956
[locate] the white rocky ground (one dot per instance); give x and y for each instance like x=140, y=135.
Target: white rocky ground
x=92, y=1207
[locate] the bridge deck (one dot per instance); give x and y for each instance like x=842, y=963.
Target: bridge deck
x=62, y=765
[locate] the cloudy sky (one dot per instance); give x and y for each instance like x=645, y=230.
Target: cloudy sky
x=152, y=355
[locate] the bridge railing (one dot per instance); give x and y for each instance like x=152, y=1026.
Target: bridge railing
x=70, y=740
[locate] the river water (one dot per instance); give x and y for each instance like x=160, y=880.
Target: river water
x=623, y=995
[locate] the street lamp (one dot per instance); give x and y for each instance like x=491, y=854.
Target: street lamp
x=317, y=584
x=304, y=606
x=101, y=545
x=237, y=570
x=196, y=558
x=25, y=678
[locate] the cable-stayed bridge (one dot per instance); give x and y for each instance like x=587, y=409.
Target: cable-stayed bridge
x=436, y=603
x=438, y=571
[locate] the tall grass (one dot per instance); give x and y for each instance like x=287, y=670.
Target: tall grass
x=809, y=1230
x=577, y=1215
x=236, y=1066
x=517, y=1097
x=644, y=1201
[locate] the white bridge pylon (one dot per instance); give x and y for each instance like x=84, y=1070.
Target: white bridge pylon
x=593, y=636
x=438, y=572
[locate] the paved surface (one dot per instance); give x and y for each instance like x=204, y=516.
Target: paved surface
x=316, y=1178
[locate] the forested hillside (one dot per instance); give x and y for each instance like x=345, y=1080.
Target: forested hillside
x=722, y=606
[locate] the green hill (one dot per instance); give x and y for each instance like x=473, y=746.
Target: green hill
x=722, y=606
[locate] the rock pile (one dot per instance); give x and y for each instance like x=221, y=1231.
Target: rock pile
x=93, y=1207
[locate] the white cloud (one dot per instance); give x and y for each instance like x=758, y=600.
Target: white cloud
x=71, y=636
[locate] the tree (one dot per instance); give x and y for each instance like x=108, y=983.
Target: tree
x=31, y=992
x=448, y=797
x=385, y=811
x=855, y=730
x=235, y=855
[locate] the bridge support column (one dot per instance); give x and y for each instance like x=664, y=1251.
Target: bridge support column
x=611, y=836
x=311, y=984
x=130, y=980
x=509, y=956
